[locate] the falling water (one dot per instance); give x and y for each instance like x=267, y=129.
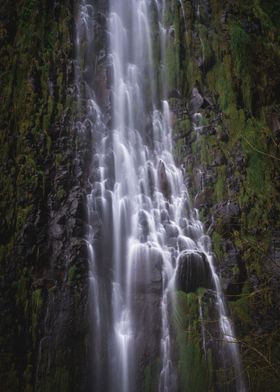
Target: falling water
x=183, y=12
x=140, y=221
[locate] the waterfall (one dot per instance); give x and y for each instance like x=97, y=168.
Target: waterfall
x=142, y=230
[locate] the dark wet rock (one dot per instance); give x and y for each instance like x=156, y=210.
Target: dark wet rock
x=274, y=122
x=43, y=283
x=204, y=198
x=241, y=162
x=223, y=136
x=274, y=252
x=193, y=271
x=207, y=102
x=171, y=32
x=219, y=159
x=174, y=94
x=227, y=215
x=164, y=184
x=232, y=281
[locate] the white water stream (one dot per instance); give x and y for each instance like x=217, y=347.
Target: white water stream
x=139, y=198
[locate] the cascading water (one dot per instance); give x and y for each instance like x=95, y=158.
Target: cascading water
x=141, y=226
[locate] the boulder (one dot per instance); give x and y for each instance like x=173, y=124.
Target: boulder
x=193, y=271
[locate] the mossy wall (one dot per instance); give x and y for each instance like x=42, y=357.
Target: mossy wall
x=194, y=364
x=230, y=52
x=43, y=274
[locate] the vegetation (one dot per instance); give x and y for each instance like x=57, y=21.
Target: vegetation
x=238, y=150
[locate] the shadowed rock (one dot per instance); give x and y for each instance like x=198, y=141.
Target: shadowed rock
x=227, y=215
x=193, y=272
x=164, y=184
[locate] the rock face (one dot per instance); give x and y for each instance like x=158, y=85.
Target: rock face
x=226, y=120
x=43, y=260
x=193, y=272
x=196, y=101
x=227, y=215
x=164, y=184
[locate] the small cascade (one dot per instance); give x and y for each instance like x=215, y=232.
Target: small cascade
x=183, y=13
x=145, y=241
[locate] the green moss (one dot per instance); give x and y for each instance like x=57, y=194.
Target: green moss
x=22, y=289
x=22, y=215
x=58, y=159
x=216, y=240
x=241, y=309
x=172, y=60
x=61, y=193
x=205, y=43
x=37, y=302
x=37, y=299
x=179, y=148
x=27, y=377
x=219, y=79
x=58, y=380
x=220, y=186
x=193, y=367
x=35, y=51
x=73, y=273
x=239, y=44
x=192, y=73
x=259, y=163
x=240, y=78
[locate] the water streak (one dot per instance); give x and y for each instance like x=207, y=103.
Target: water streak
x=140, y=220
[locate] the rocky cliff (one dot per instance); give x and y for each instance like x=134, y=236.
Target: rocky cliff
x=224, y=91
x=43, y=259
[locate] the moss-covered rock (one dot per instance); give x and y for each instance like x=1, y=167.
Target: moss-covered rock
x=39, y=191
x=231, y=157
